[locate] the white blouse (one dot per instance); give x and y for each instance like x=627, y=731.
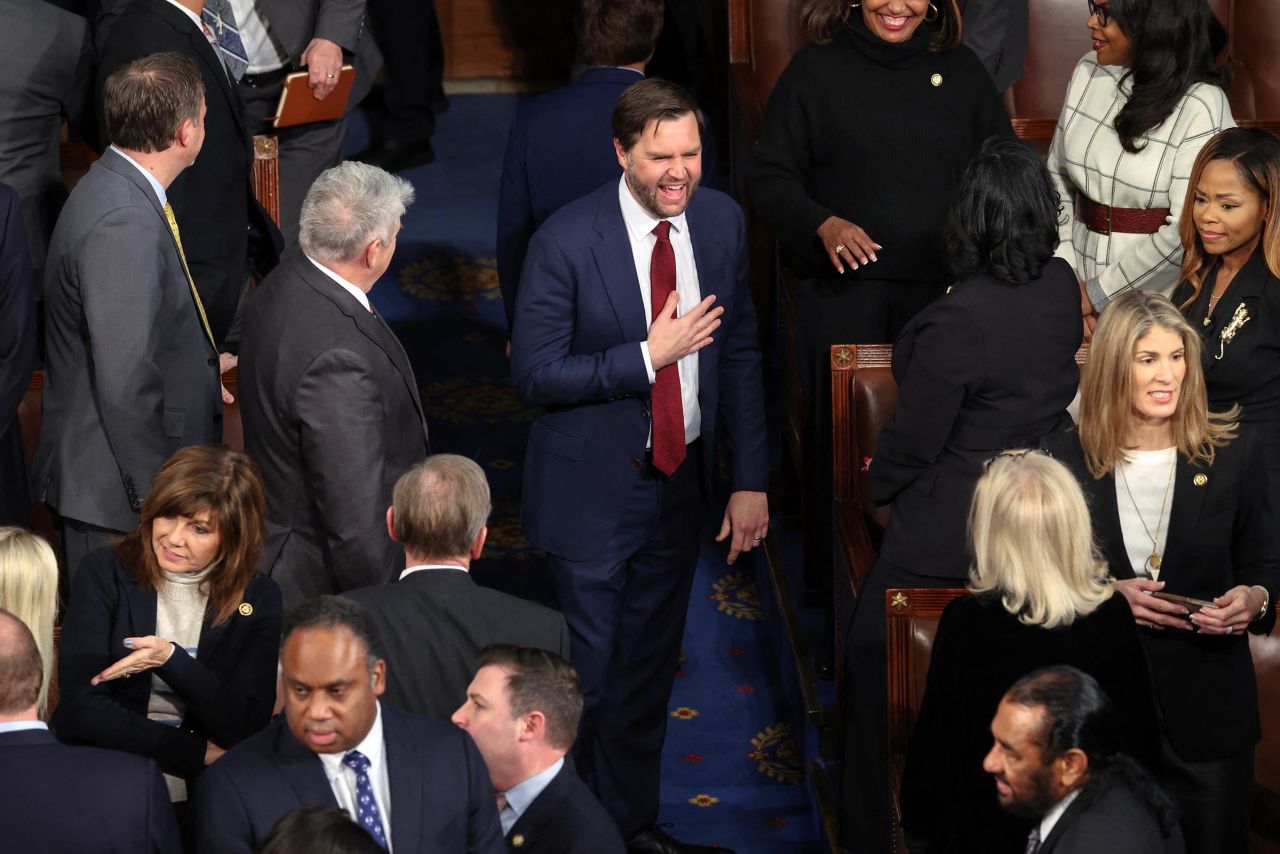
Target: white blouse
x=1148, y=476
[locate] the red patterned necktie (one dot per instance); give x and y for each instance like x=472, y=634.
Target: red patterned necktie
x=668, y=412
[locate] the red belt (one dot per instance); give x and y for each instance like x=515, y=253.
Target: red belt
x=1106, y=220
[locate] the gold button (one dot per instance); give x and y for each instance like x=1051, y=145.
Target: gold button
x=517, y=840
x=936, y=80
x=245, y=609
x=1200, y=479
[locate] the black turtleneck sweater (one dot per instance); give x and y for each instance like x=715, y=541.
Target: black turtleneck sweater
x=857, y=128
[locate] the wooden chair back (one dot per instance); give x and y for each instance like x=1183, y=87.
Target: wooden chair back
x=1266, y=801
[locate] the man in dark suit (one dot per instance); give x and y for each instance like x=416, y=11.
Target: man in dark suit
x=409, y=781
x=330, y=404
x=619, y=463
x=997, y=31
x=132, y=371
x=213, y=200
x=17, y=356
x=522, y=710
x=48, y=59
x=56, y=798
x=1056, y=760
x=558, y=148
x=435, y=620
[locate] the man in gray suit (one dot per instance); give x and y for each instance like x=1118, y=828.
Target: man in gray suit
x=330, y=404
x=132, y=373
x=47, y=74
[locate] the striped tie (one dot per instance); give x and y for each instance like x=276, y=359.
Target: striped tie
x=219, y=17
x=177, y=238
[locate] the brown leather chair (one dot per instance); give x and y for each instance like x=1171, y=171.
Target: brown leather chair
x=1266, y=801
x=53, y=678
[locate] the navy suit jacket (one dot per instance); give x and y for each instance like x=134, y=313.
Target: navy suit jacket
x=441, y=798
x=229, y=689
x=560, y=148
x=575, y=350
x=565, y=818
x=55, y=798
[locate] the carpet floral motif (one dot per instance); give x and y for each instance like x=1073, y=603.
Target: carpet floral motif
x=737, y=596
x=474, y=400
x=704, y=800
x=506, y=535
x=776, y=754
x=451, y=278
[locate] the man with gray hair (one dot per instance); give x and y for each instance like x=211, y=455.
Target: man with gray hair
x=436, y=620
x=330, y=404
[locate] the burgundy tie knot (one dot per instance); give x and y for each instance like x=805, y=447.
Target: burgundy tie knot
x=663, y=230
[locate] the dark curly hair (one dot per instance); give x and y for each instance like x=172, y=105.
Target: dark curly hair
x=1176, y=44
x=1004, y=220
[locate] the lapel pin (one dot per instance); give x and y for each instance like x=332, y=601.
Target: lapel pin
x=246, y=609
x=1200, y=479
x=517, y=840
x=936, y=80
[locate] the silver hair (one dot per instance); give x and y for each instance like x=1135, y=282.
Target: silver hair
x=348, y=207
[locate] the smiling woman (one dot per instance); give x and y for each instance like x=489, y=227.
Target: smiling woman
x=169, y=641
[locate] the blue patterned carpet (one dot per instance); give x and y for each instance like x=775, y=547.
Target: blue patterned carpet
x=732, y=771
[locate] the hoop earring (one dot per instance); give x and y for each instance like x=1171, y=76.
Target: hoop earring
x=934, y=10
x=854, y=5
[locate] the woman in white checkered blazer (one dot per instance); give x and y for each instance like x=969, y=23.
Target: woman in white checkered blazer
x=1138, y=110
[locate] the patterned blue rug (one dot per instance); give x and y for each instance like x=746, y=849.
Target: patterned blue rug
x=732, y=771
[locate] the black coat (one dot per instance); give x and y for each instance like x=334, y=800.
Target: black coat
x=1221, y=533
x=17, y=356
x=433, y=625
x=986, y=368
x=1115, y=820
x=979, y=651
x=213, y=198
x=565, y=818
x=229, y=690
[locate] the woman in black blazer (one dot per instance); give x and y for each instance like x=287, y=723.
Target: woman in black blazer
x=1180, y=505
x=987, y=367
x=190, y=566
x=1230, y=286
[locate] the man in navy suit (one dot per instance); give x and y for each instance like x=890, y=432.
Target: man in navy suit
x=57, y=798
x=619, y=463
x=558, y=149
x=522, y=710
x=417, y=784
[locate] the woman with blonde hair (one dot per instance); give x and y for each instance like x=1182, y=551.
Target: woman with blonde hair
x=29, y=591
x=1179, y=498
x=1041, y=597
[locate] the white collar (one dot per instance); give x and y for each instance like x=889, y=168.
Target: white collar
x=372, y=746
x=19, y=726
x=360, y=295
x=1052, y=816
x=419, y=567
x=526, y=792
x=639, y=221
x=151, y=179
x=195, y=19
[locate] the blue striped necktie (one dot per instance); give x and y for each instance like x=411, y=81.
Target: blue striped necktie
x=219, y=18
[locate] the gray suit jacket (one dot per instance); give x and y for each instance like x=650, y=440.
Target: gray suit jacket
x=130, y=375
x=332, y=417
x=297, y=22
x=47, y=75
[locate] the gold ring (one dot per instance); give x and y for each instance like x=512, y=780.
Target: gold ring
x=330, y=76
x=839, y=248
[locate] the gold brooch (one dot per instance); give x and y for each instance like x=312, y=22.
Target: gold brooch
x=246, y=609
x=1200, y=479
x=899, y=600
x=1238, y=319
x=517, y=840
x=936, y=80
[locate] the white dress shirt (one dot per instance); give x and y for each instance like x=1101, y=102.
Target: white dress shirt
x=524, y=793
x=419, y=567
x=151, y=179
x=342, y=780
x=360, y=295
x=260, y=46
x=18, y=726
x=640, y=224
x=1052, y=816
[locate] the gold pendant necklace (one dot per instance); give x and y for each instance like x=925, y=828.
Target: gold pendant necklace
x=1153, y=562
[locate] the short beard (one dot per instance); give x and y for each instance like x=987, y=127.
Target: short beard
x=648, y=196
x=1036, y=803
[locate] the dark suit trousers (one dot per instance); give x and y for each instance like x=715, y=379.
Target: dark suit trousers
x=305, y=151
x=1215, y=798
x=626, y=612
x=408, y=33
x=80, y=538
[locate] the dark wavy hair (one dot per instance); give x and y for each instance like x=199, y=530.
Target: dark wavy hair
x=822, y=19
x=1176, y=44
x=1004, y=220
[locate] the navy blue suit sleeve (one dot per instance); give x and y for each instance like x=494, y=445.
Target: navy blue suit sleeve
x=484, y=831
x=222, y=819
x=17, y=307
x=741, y=386
x=546, y=370
x=162, y=825
x=515, y=217
x=227, y=710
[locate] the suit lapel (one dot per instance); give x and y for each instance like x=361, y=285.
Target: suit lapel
x=617, y=267
x=1188, y=497
x=142, y=609
x=405, y=776
x=708, y=257
x=301, y=768
x=543, y=810
x=1107, y=521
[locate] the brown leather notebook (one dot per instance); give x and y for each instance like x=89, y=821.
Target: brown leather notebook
x=299, y=107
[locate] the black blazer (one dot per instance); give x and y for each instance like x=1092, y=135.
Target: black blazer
x=17, y=356
x=433, y=626
x=441, y=798
x=55, y=798
x=985, y=368
x=1221, y=533
x=565, y=818
x=1115, y=820
x=229, y=690
x=948, y=800
x=332, y=417
x=213, y=198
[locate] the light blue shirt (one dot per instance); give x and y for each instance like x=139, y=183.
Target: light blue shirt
x=524, y=793
x=19, y=726
x=151, y=179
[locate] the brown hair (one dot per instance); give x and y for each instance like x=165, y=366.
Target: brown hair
x=20, y=666
x=618, y=32
x=145, y=101
x=1106, y=386
x=540, y=681
x=822, y=19
x=653, y=99
x=440, y=506
x=224, y=482
x=1256, y=156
